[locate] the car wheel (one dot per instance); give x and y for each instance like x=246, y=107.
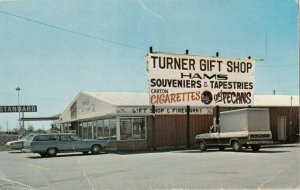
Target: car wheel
x=236, y=146
x=51, y=152
x=202, y=146
x=96, y=149
x=255, y=148
x=221, y=148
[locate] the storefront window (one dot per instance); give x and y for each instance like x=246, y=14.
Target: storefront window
x=138, y=129
x=90, y=130
x=132, y=128
x=126, y=129
x=100, y=133
x=106, y=129
x=94, y=129
x=84, y=130
x=80, y=130
x=112, y=129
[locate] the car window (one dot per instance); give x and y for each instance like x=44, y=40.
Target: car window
x=30, y=138
x=75, y=138
x=27, y=137
x=46, y=138
x=65, y=138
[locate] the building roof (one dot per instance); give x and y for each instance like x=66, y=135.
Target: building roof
x=142, y=99
x=122, y=98
x=104, y=104
x=276, y=100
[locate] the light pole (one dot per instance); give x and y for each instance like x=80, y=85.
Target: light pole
x=19, y=109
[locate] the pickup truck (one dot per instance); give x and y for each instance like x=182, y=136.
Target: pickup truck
x=238, y=129
x=51, y=144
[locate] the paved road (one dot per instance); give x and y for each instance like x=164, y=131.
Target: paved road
x=275, y=167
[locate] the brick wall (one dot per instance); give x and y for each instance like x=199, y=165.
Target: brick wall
x=129, y=145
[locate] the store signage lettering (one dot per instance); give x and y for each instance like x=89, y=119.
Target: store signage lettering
x=21, y=108
x=179, y=80
x=163, y=111
x=86, y=106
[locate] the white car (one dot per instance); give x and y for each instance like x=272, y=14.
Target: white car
x=18, y=144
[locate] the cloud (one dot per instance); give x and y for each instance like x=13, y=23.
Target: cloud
x=150, y=11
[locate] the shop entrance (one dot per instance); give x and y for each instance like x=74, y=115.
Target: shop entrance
x=281, y=128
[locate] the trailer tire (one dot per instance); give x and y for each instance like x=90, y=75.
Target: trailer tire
x=255, y=148
x=202, y=146
x=236, y=146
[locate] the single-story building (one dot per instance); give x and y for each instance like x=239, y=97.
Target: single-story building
x=126, y=118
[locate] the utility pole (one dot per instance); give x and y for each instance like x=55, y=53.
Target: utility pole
x=19, y=108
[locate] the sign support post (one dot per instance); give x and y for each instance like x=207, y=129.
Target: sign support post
x=153, y=118
x=153, y=128
x=217, y=115
x=188, y=130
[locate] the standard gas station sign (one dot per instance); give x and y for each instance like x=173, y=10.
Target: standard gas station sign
x=16, y=108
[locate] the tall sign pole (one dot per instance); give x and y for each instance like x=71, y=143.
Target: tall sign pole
x=18, y=90
x=153, y=118
x=299, y=53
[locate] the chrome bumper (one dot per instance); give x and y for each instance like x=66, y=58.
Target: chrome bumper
x=26, y=150
x=259, y=142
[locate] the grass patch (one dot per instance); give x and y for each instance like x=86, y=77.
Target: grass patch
x=4, y=148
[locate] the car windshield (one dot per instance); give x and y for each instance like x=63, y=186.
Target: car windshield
x=75, y=138
x=30, y=138
x=26, y=137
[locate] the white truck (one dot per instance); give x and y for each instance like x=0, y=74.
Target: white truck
x=238, y=129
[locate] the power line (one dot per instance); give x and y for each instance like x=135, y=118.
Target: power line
x=33, y=97
x=72, y=31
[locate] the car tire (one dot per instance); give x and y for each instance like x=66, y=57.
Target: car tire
x=255, y=148
x=236, y=146
x=202, y=146
x=96, y=149
x=51, y=152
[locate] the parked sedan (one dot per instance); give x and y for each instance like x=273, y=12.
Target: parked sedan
x=18, y=144
x=51, y=144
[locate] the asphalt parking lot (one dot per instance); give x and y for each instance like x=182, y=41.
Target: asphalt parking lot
x=274, y=167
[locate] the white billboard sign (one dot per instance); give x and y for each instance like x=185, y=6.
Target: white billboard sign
x=180, y=80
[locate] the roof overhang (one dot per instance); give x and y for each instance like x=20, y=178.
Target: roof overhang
x=39, y=118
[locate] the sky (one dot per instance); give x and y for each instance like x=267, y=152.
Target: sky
x=53, y=49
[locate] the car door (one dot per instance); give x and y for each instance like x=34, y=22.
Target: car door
x=213, y=136
x=65, y=143
x=78, y=143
